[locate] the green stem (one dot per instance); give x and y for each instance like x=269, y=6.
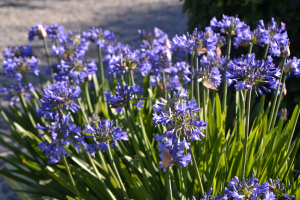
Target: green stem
x=246, y=131
x=168, y=184
x=70, y=176
x=266, y=51
x=197, y=172
x=112, y=162
x=25, y=107
x=132, y=77
x=192, y=82
x=164, y=85
x=275, y=96
x=250, y=49
x=197, y=83
x=87, y=96
x=224, y=78
x=48, y=58
x=279, y=101
x=102, y=78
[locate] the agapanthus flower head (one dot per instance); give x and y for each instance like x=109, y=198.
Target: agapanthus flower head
x=37, y=30
x=57, y=97
x=279, y=45
x=63, y=133
x=292, y=67
x=213, y=60
x=272, y=27
x=231, y=25
x=123, y=96
x=197, y=41
x=246, y=72
x=172, y=150
x=127, y=60
x=179, y=116
x=17, y=51
x=277, y=188
x=144, y=35
x=56, y=32
x=179, y=68
x=246, y=189
x=15, y=67
x=99, y=37
x=14, y=91
x=208, y=196
x=75, y=70
x=157, y=60
x=71, y=44
x=103, y=133
x=247, y=37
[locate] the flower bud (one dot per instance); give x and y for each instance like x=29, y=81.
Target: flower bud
x=167, y=159
x=284, y=90
x=218, y=51
x=287, y=52
x=287, y=67
x=41, y=31
x=202, y=50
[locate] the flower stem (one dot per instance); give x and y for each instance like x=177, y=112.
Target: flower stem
x=87, y=96
x=250, y=49
x=169, y=185
x=246, y=131
x=102, y=77
x=197, y=172
x=70, y=176
x=131, y=77
x=224, y=77
x=112, y=162
x=279, y=101
x=48, y=58
x=164, y=85
x=266, y=51
x=275, y=97
x=57, y=45
x=197, y=84
x=192, y=82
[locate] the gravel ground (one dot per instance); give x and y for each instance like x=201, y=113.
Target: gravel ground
x=123, y=17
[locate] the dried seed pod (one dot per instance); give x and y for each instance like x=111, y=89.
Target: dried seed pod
x=41, y=31
x=167, y=159
x=209, y=84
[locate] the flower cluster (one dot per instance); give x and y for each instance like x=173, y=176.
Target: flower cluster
x=181, y=120
x=123, y=96
x=99, y=36
x=247, y=72
x=75, y=70
x=208, y=196
x=231, y=25
x=58, y=97
x=63, y=133
x=104, y=133
x=17, y=51
x=14, y=92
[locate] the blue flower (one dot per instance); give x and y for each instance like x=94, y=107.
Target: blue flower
x=208, y=196
x=172, y=151
x=179, y=116
x=292, y=67
x=17, y=51
x=103, y=134
x=99, y=36
x=14, y=92
x=144, y=35
x=280, y=45
x=36, y=31
x=123, y=96
x=231, y=25
x=247, y=72
x=63, y=133
x=247, y=37
x=14, y=67
x=56, y=32
x=277, y=187
x=58, y=96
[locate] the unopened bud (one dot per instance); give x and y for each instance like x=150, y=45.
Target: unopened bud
x=167, y=43
x=169, y=56
x=284, y=90
x=287, y=67
x=207, y=34
x=218, y=51
x=283, y=114
x=41, y=31
x=202, y=50
x=287, y=52
x=167, y=159
x=245, y=44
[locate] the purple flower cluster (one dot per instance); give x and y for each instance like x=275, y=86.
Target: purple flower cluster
x=36, y=31
x=56, y=32
x=99, y=36
x=123, y=96
x=63, y=133
x=208, y=196
x=231, y=25
x=16, y=66
x=75, y=70
x=246, y=72
x=58, y=97
x=14, y=92
x=180, y=117
x=292, y=67
x=104, y=133
x=17, y=51
x=198, y=41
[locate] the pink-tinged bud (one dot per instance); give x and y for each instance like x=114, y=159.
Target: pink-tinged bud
x=167, y=43
x=287, y=52
x=167, y=159
x=284, y=90
x=202, y=50
x=41, y=31
x=169, y=56
x=218, y=51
